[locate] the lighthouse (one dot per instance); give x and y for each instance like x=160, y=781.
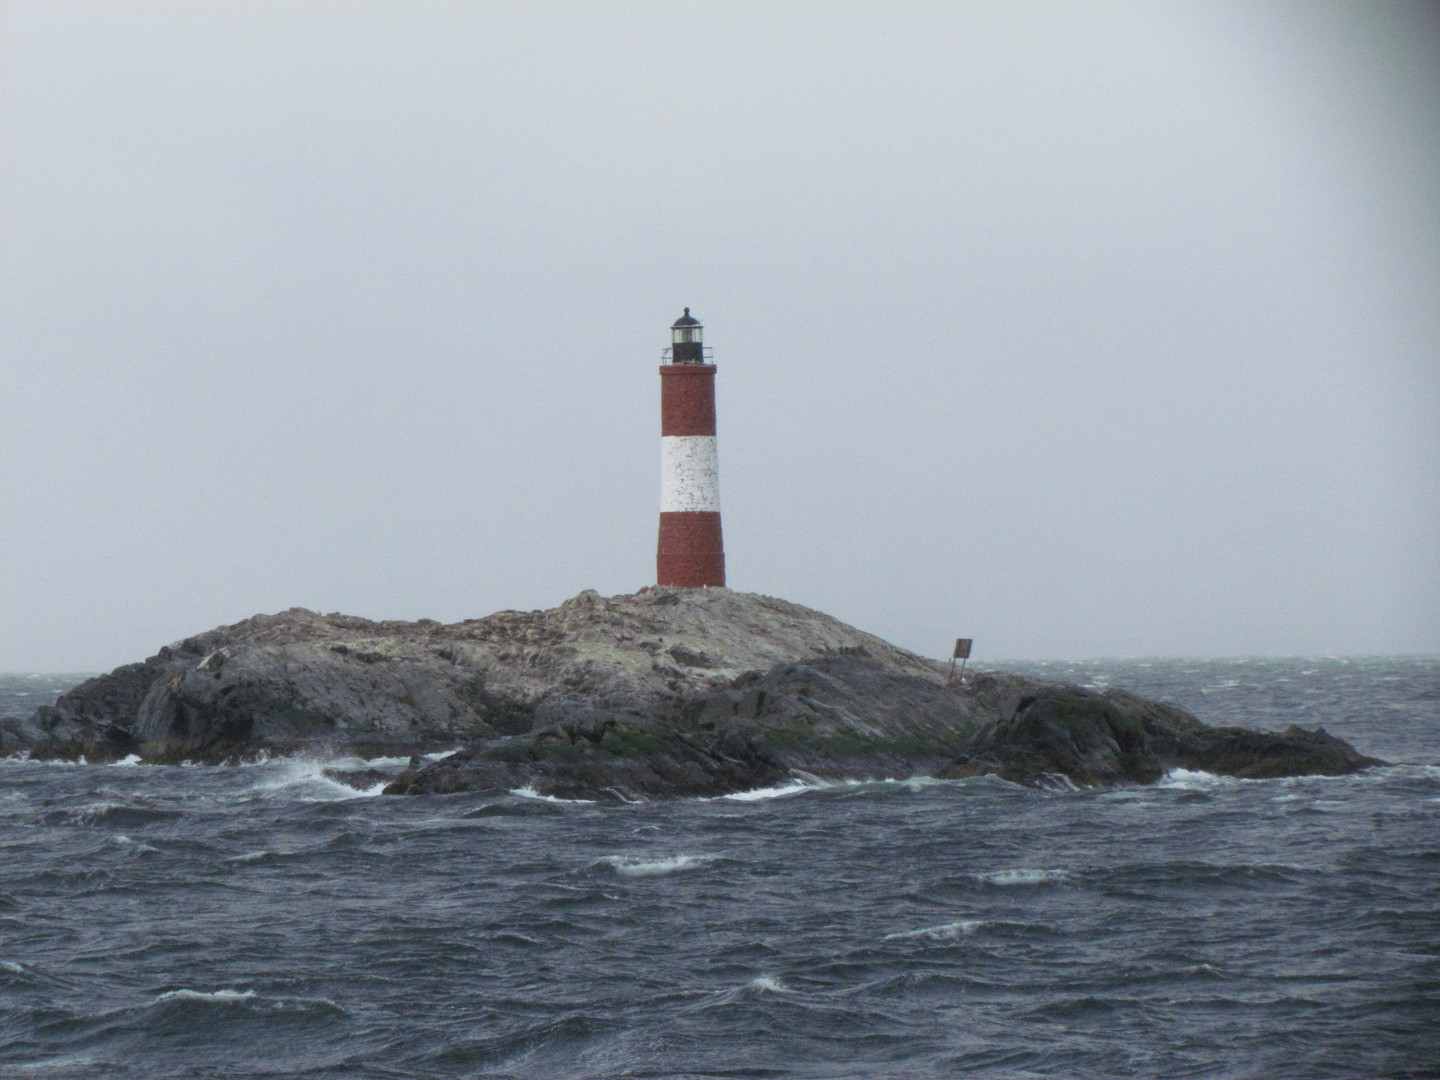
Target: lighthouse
x=690, y=553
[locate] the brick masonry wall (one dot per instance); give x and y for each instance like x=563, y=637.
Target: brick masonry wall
x=691, y=551
x=687, y=399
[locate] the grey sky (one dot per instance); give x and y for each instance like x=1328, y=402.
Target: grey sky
x=1078, y=329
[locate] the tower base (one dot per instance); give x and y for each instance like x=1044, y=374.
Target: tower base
x=691, y=552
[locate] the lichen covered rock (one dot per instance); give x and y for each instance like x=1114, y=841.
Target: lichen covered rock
x=661, y=693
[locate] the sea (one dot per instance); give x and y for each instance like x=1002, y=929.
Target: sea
x=266, y=921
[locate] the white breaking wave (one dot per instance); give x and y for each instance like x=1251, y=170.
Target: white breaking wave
x=352, y=762
x=1057, y=782
x=529, y=792
x=630, y=867
x=794, y=787
x=128, y=759
x=1192, y=780
x=920, y=783
x=804, y=783
x=121, y=838
x=22, y=757
x=952, y=930
x=396, y=762
x=251, y=856
x=262, y=757
x=771, y=983
x=305, y=779
x=12, y=967
x=1023, y=877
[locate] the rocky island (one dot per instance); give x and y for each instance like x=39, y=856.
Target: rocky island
x=665, y=692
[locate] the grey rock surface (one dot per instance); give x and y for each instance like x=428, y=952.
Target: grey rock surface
x=660, y=693
x=1060, y=734
x=298, y=679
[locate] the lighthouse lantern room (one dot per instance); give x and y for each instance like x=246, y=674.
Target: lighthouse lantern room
x=691, y=552
x=687, y=340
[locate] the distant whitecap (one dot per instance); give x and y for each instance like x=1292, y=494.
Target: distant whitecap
x=944, y=932
x=1024, y=877
x=631, y=867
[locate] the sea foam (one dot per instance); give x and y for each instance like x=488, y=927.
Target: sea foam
x=630, y=867
x=946, y=931
x=1192, y=780
x=206, y=995
x=529, y=792
x=770, y=983
x=305, y=779
x=794, y=787
x=1024, y=877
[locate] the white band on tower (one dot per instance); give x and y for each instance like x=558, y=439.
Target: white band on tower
x=689, y=474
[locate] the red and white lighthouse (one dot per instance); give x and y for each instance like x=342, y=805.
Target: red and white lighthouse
x=690, y=553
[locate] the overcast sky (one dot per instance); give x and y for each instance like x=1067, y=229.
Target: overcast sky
x=1079, y=329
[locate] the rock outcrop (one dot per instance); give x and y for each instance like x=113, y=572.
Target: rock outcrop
x=1057, y=733
x=662, y=693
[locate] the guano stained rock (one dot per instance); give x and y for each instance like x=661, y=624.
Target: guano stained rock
x=665, y=692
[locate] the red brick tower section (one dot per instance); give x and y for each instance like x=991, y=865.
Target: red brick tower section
x=691, y=552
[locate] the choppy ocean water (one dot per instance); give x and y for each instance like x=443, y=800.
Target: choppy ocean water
x=262, y=921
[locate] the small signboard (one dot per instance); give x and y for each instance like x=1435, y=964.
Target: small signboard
x=961, y=653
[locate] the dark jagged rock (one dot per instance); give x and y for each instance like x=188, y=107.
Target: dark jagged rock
x=666, y=692
x=1048, y=731
x=834, y=716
